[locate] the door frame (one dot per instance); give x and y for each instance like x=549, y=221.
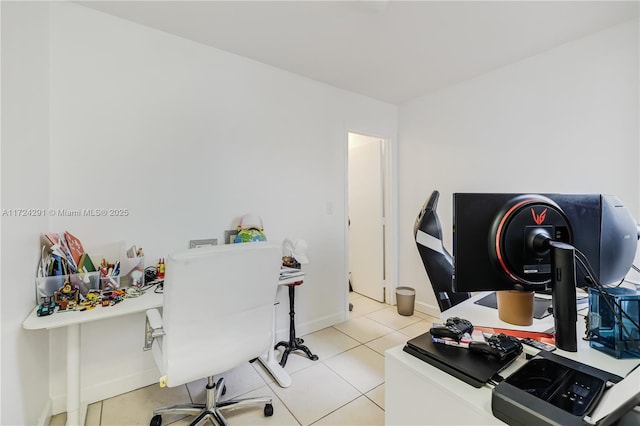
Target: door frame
x=390, y=195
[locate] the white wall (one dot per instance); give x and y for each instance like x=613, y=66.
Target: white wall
x=188, y=139
x=25, y=174
x=562, y=121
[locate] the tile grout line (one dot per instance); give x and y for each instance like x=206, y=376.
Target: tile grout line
x=270, y=384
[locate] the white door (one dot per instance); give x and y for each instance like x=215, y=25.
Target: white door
x=366, y=216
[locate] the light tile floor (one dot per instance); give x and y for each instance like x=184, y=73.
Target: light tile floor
x=344, y=387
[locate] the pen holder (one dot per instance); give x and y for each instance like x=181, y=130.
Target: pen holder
x=47, y=286
x=132, y=272
x=109, y=283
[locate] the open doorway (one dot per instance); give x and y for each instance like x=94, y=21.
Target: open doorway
x=367, y=201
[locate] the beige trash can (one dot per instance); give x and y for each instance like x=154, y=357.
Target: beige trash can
x=405, y=298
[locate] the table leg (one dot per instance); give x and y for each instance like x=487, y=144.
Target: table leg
x=294, y=343
x=73, y=374
x=269, y=358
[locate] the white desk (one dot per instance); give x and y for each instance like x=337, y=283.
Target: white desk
x=418, y=393
x=72, y=320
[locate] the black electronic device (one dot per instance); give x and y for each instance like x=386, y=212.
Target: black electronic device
x=499, y=346
x=453, y=328
x=529, y=242
x=536, y=344
x=472, y=368
x=554, y=390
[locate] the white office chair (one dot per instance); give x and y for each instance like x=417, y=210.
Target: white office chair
x=217, y=314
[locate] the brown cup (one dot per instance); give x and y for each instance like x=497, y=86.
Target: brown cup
x=515, y=307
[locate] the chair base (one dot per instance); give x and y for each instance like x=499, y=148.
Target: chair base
x=211, y=410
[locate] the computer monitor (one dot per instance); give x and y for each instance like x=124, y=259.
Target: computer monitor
x=530, y=242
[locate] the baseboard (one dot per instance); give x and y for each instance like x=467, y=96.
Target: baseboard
x=428, y=309
x=45, y=416
x=108, y=389
x=308, y=327
x=104, y=390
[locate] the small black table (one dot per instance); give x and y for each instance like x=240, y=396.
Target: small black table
x=294, y=343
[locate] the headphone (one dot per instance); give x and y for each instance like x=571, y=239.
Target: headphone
x=150, y=273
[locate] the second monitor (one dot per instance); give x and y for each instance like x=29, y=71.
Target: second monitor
x=494, y=245
x=534, y=241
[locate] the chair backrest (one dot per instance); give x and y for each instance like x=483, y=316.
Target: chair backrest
x=218, y=308
x=436, y=259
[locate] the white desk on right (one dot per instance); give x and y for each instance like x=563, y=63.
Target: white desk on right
x=417, y=393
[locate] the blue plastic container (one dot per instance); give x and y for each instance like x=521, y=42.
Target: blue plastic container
x=611, y=331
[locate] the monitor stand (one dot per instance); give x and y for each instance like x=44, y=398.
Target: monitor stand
x=563, y=296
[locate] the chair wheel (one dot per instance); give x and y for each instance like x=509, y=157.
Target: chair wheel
x=156, y=420
x=268, y=410
x=314, y=357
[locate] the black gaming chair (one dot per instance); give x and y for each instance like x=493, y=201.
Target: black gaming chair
x=437, y=261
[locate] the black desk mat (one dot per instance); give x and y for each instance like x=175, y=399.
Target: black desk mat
x=540, y=305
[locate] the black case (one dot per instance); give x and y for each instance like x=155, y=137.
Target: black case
x=519, y=405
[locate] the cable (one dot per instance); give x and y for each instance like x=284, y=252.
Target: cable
x=131, y=292
x=584, y=262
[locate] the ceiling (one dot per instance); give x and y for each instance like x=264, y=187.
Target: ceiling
x=392, y=51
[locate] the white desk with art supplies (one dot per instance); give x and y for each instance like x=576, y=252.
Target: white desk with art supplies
x=73, y=288
x=72, y=291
